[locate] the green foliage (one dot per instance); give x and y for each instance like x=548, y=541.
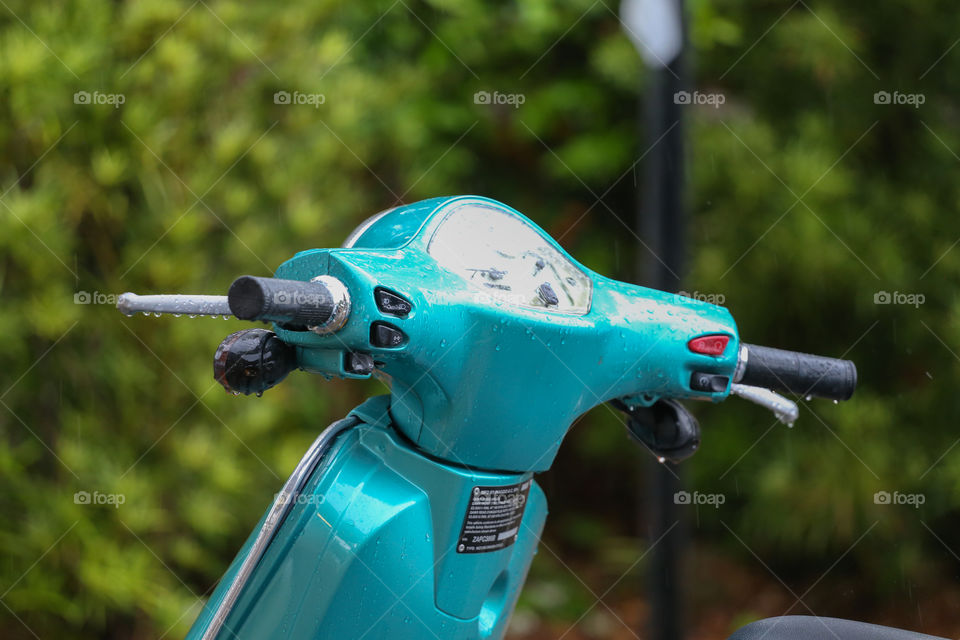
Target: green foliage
x=877, y=213
x=199, y=175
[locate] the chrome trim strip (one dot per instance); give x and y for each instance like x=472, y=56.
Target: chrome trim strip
x=743, y=357
x=366, y=224
x=282, y=505
x=341, y=305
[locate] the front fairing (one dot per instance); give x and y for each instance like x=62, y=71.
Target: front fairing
x=485, y=382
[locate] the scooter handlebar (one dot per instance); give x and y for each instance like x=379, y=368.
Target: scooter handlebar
x=321, y=305
x=802, y=373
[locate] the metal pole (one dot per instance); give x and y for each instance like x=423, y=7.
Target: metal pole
x=661, y=218
x=661, y=222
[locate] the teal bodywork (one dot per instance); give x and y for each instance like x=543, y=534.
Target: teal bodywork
x=369, y=550
x=483, y=391
x=484, y=383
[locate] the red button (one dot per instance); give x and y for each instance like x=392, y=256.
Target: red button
x=709, y=345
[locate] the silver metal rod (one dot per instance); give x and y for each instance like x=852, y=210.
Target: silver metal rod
x=177, y=304
x=282, y=505
x=785, y=410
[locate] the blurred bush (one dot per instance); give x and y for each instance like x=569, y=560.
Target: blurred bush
x=147, y=146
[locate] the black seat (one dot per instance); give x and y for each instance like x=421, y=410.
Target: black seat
x=815, y=628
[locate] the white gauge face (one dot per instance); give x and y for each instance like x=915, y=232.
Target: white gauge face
x=506, y=259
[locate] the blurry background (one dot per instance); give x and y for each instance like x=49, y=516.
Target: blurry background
x=144, y=147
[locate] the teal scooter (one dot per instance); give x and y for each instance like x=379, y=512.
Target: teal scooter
x=417, y=515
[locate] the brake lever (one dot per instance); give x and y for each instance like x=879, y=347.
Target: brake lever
x=786, y=410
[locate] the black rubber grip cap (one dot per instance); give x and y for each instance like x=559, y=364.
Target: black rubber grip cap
x=802, y=373
x=252, y=361
x=291, y=302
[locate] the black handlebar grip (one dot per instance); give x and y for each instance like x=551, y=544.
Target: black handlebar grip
x=802, y=373
x=290, y=302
